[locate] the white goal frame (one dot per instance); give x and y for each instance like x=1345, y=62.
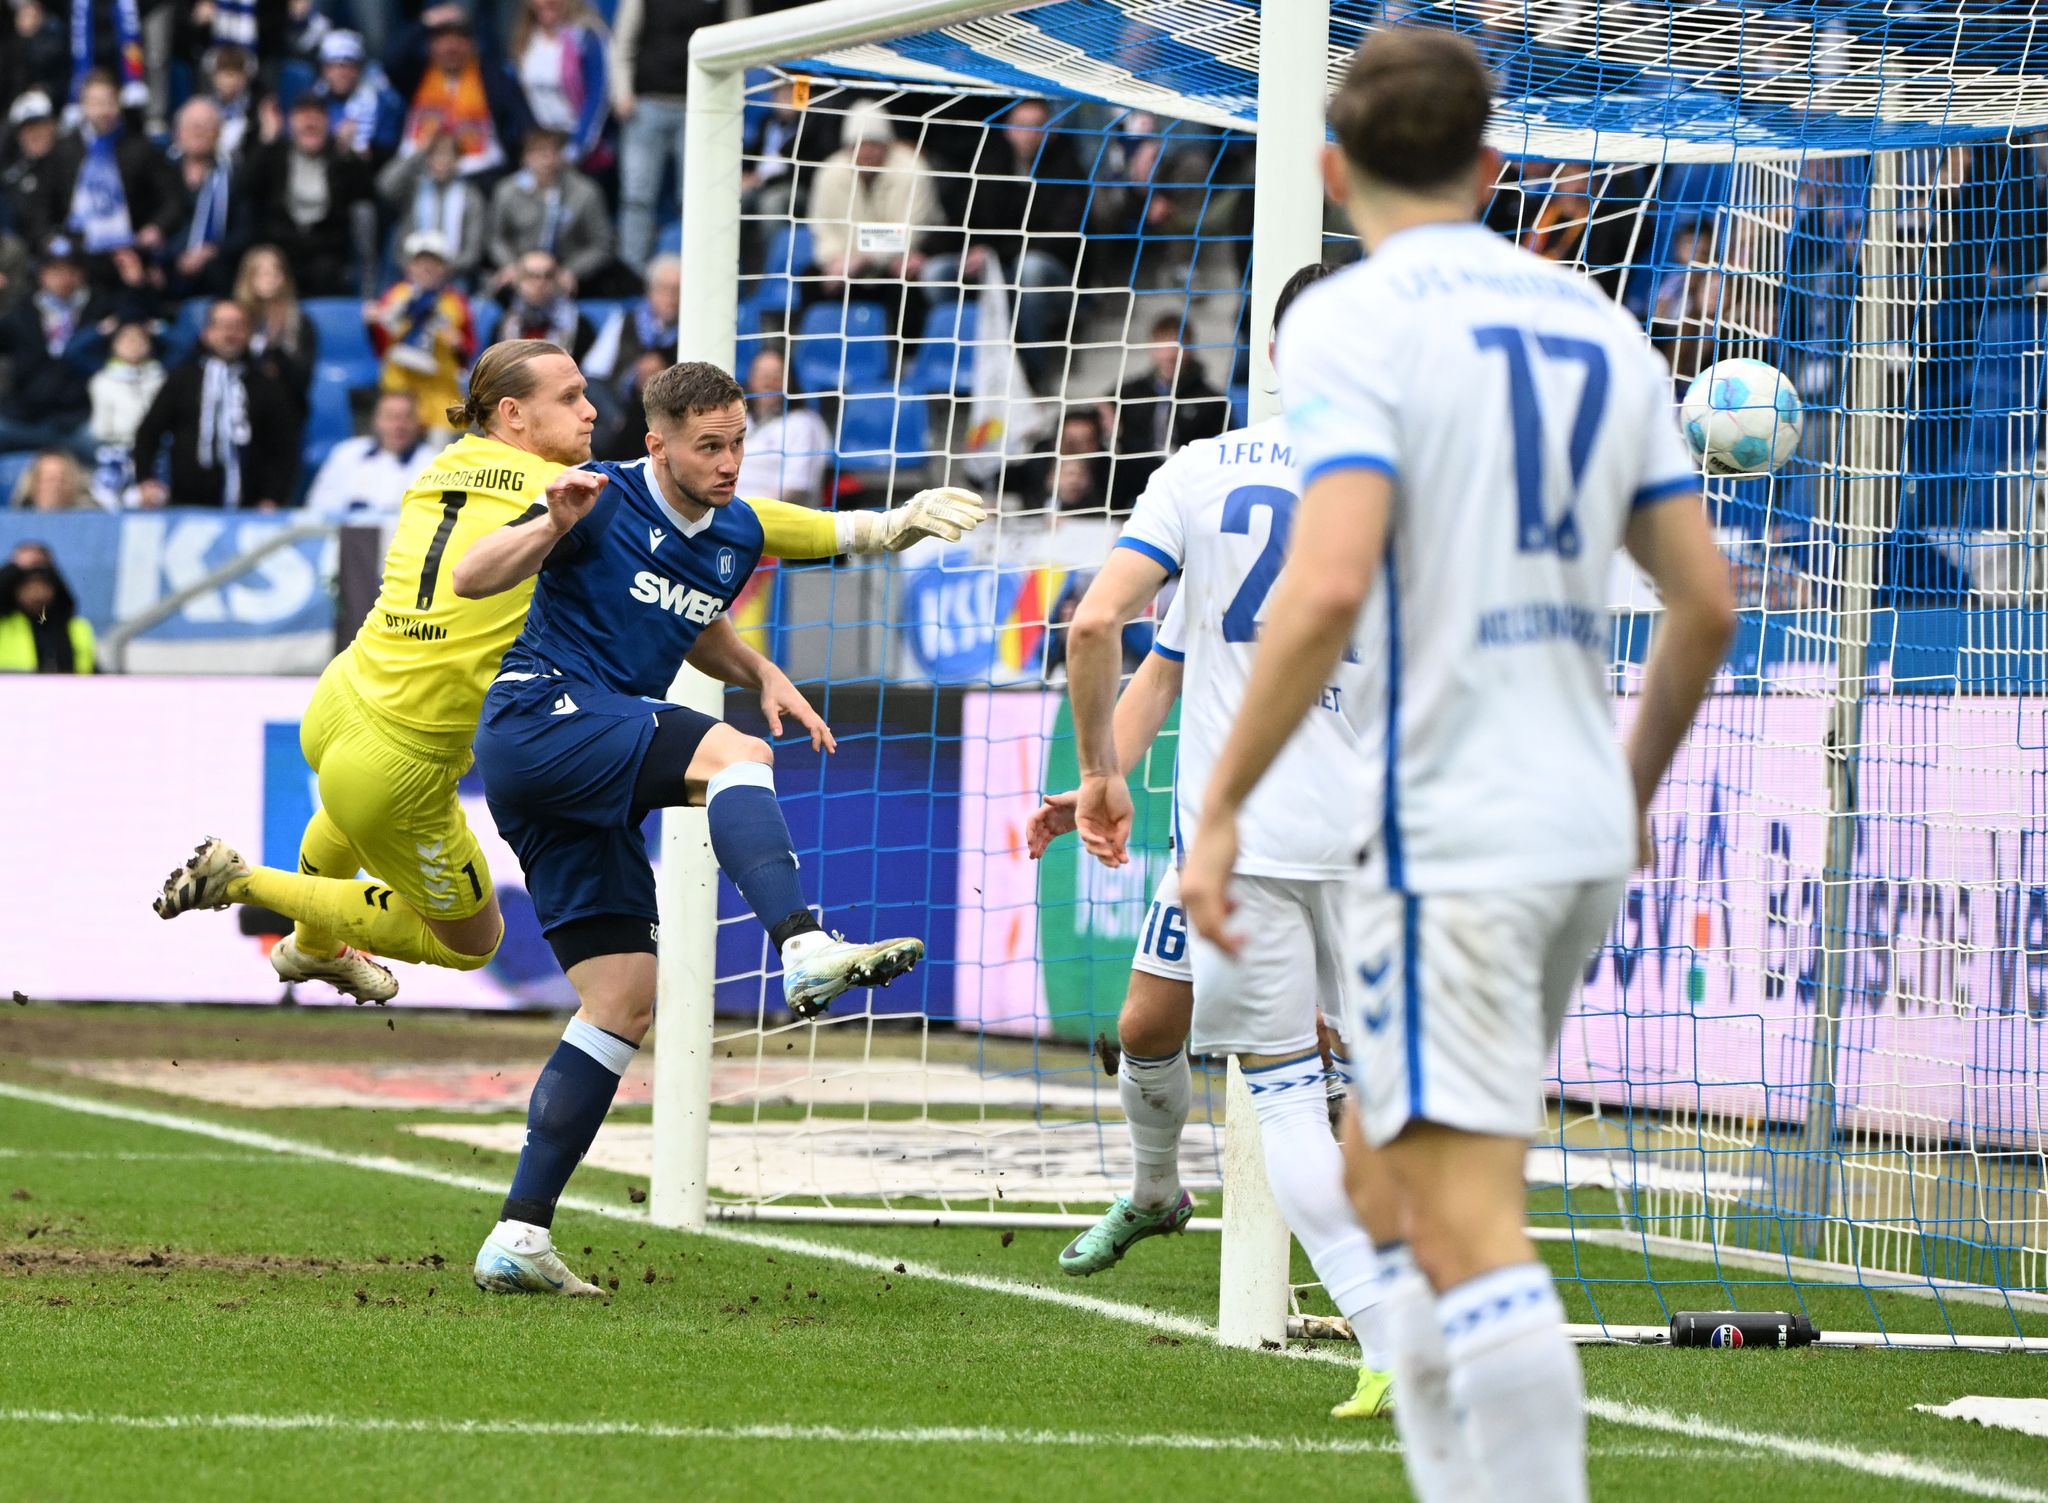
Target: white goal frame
x=1287, y=231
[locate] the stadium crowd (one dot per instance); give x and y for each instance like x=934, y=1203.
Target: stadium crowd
x=249, y=248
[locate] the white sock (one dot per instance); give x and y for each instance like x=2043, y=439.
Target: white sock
x=1515, y=1378
x=1155, y=1094
x=1306, y=1170
x=1433, y=1445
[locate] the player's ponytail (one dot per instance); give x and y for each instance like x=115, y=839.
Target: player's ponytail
x=504, y=370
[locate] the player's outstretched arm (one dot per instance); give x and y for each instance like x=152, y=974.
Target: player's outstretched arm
x=1095, y=662
x=1140, y=711
x=791, y=531
x=514, y=553
x=1673, y=543
x=1340, y=535
x=721, y=653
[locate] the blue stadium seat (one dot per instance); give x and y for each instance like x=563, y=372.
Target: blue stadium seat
x=484, y=313
x=855, y=356
x=789, y=255
x=670, y=241
x=11, y=466
x=943, y=362
x=343, y=338
x=182, y=337
x=881, y=429
x=330, y=418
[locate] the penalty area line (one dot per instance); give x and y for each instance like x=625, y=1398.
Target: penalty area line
x=1889, y=1466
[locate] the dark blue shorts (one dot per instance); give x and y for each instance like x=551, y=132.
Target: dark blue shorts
x=559, y=760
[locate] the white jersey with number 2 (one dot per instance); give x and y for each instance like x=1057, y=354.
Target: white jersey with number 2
x=1522, y=416
x=1219, y=512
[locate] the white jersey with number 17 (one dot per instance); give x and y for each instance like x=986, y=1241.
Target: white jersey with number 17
x=1522, y=416
x=1219, y=512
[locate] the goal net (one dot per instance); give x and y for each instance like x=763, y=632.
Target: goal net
x=1017, y=252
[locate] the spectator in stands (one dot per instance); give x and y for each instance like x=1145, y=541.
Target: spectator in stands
x=53, y=481
x=37, y=56
x=24, y=198
x=778, y=137
x=282, y=341
x=455, y=87
x=40, y=628
x=648, y=325
x=873, y=206
x=109, y=187
x=54, y=340
x=122, y=392
x=362, y=110
x=314, y=202
x=364, y=479
x=1027, y=179
x=550, y=207
x=1685, y=310
x=560, y=54
x=1169, y=405
x=199, y=249
x=787, y=448
x=623, y=434
x=230, y=82
x=423, y=330
x=650, y=61
x=232, y=429
x=426, y=191
x=612, y=363
x=542, y=309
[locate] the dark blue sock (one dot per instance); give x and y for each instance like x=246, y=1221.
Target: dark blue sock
x=751, y=841
x=569, y=1103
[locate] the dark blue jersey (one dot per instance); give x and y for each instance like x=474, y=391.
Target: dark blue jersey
x=625, y=593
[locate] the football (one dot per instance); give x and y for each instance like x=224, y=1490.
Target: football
x=1742, y=417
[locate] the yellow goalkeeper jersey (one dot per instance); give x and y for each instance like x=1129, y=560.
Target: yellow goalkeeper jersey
x=425, y=655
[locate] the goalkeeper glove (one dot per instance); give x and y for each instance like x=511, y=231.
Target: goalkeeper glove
x=947, y=512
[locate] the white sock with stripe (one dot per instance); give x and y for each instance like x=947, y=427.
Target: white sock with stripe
x=1516, y=1381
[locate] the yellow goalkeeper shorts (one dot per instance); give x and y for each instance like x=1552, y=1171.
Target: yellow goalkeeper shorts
x=394, y=796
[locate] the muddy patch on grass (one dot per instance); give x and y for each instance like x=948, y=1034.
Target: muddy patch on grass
x=28, y=1261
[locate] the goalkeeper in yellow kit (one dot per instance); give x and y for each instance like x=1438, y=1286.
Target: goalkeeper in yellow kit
x=389, y=728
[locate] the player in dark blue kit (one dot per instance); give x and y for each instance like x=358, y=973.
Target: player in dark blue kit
x=577, y=743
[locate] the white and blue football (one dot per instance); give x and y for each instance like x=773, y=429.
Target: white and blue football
x=1742, y=417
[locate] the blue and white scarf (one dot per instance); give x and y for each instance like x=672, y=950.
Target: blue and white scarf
x=210, y=209
x=654, y=334
x=99, y=202
x=435, y=207
x=223, y=424
x=551, y=215
x=234, y=23
x=127, y=43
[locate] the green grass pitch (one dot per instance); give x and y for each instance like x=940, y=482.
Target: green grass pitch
x=183, y=1317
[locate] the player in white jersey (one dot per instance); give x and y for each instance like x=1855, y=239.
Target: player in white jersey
x=1477, y=431
x=1218, y=514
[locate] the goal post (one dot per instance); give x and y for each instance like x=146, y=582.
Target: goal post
x=1806, y=1068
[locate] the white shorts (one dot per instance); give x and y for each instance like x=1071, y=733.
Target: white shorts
x=1458, y=998
x=1163, y=942
x=1265, y=1001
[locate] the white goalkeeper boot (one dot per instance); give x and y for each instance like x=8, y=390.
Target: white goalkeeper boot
x=352, y=973
x=202, y=882
x=519, y=1258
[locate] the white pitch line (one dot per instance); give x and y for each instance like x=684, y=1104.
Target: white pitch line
x=924, y=1435
x=109, y=1155
x=1889, y=1466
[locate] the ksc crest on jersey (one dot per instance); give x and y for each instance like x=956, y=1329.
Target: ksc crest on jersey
x=728, y=565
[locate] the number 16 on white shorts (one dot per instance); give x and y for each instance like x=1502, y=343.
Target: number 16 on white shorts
x=1457, y=999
